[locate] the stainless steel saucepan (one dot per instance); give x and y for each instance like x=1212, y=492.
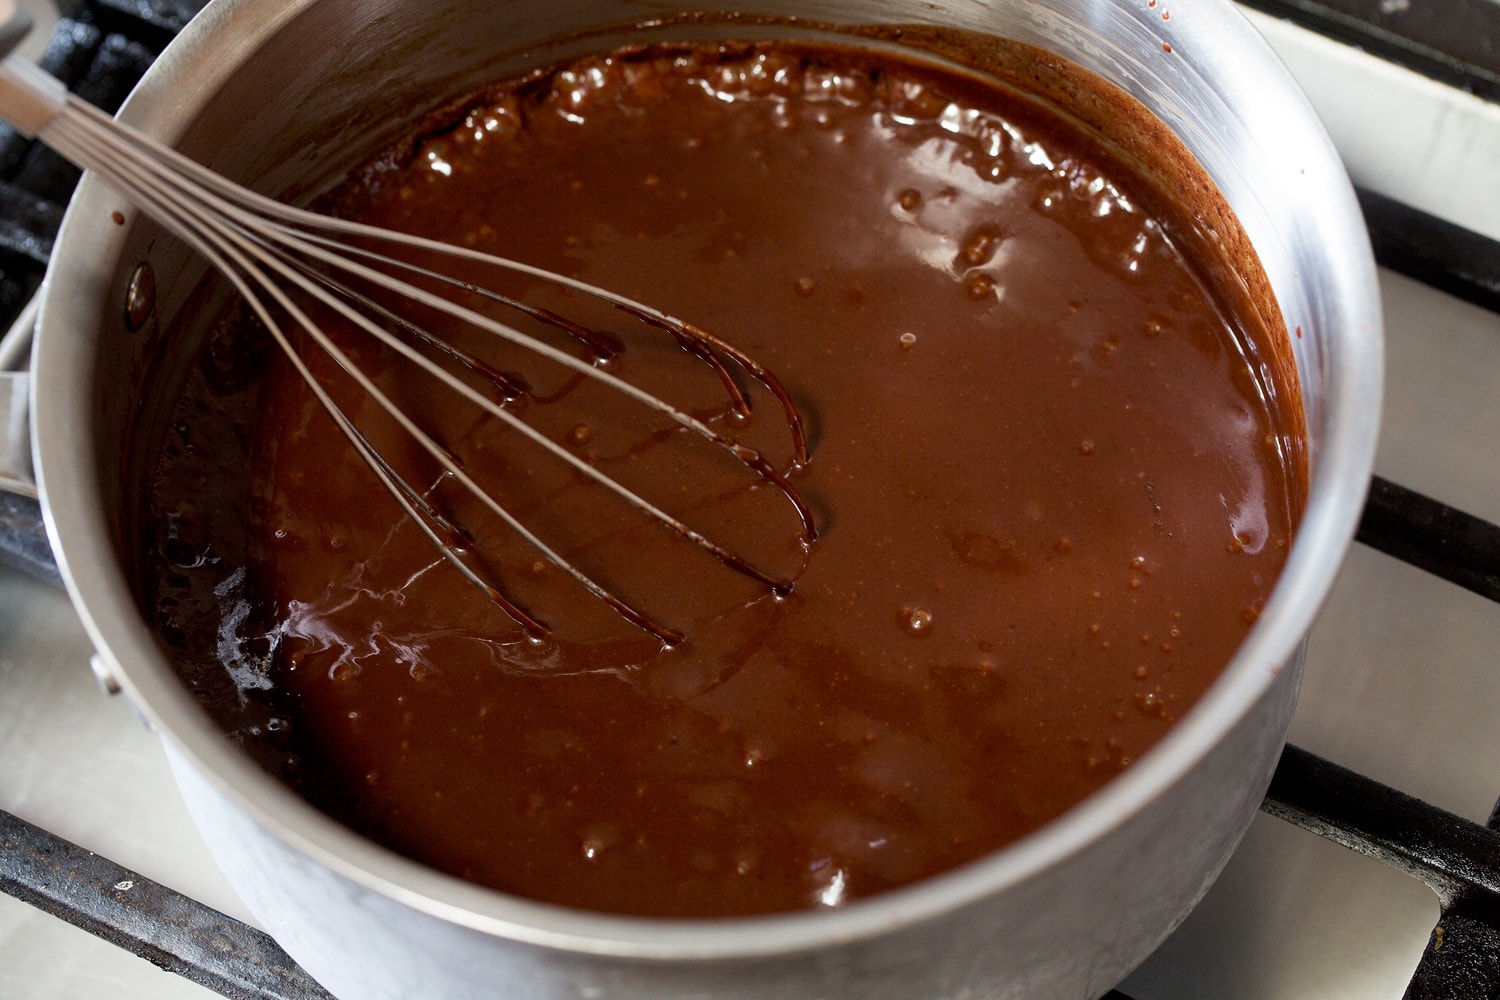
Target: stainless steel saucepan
x=285, y=95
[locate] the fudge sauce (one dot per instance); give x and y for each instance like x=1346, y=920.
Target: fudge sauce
x=1053, y=476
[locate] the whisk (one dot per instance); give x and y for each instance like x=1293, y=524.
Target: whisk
x=279, y=256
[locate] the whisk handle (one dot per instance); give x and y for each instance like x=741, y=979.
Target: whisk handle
x=29, y=97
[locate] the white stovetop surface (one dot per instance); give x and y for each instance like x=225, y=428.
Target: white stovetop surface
x=1399, y=680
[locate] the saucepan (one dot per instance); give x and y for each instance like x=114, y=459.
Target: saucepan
x=285, y=95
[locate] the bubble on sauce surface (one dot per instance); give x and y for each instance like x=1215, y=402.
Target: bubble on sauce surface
x=980, y=246
x=1152, y=703
x=912, y=101
x=980, y=286
x=1048, y=196
x=598, y=838
x=436, y=158
x=763, y=75
x=849, y=87
x=1126, y=259
x=916, y=621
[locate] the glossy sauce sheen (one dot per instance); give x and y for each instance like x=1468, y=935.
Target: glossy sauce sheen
x=1050, y=477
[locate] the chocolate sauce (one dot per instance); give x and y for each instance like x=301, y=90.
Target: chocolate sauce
x=1052, y=479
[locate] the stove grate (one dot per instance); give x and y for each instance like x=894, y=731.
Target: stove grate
x=1452, y=41
x=166, y=928
x=1448, y=543
x=1438, y=253
x=100, y=50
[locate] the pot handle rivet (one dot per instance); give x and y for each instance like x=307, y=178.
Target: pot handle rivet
x=104, y=675
x=140, y=296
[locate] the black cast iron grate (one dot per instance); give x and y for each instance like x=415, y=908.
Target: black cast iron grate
x=100, y=48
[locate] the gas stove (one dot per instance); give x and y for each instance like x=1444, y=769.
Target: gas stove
x=110, y=893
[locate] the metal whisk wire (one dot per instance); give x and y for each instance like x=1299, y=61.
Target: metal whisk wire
x=271, y=252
